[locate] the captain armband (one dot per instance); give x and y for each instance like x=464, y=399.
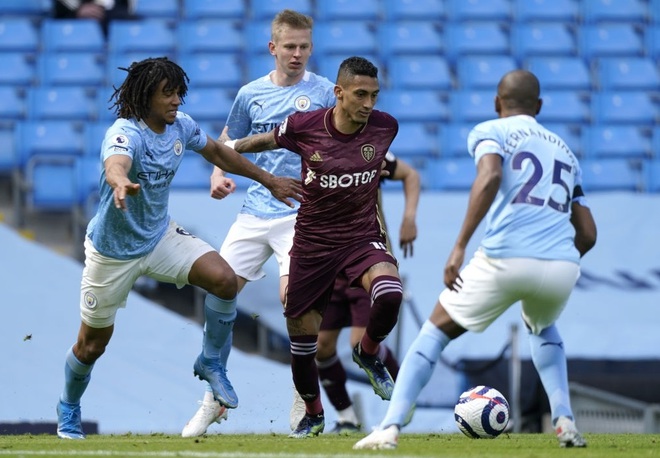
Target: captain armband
x=579, y=197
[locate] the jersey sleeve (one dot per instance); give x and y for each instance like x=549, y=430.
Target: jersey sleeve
x=239, y=121
x=483, y=139
x=195, y=136
x=120, y=139
x=285, y=134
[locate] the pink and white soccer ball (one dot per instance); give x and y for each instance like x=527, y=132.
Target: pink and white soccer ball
x=482, y=412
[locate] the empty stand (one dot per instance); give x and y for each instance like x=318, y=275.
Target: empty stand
x=419, y=72
x=416, y=105
x=349, y=38
x=564, y=106
x=13, y=106
x=651, y=170
x=614, y=11
x=256, y=35
x=481, y=38
x=628, y=73
x=71, y=69
x=472, y=105
x=608, y=39
x=72, y=35
x=61, y=102
x=363, y=10
x=208, y=104
x=625, y=141
x=542, y=39
x=452, y=139
x=561, y=72
x=566, y=11
x=626, y=107
x=213, y=70
x=610, y=175
x=452, y=174
x=116, y=65
x=571, y=134
x=17, y=69
x=18, y=34
x=150, y=36
x=206, y=9
x=162, y=9
x=478, y=10
x=483, y=72
x=259, y=65
x=194, y=172
x=402, y=10
x=29, y=8
x=415, y=140
x=209, y=35
x=409, y=37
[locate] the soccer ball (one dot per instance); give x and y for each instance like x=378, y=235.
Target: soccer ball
x=481, y=413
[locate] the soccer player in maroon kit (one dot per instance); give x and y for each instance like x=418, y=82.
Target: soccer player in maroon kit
x=337, y=228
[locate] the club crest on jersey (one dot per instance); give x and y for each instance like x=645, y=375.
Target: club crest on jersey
x=178, y=147
x=368, y=152
x=302, y=103
x=90, y=300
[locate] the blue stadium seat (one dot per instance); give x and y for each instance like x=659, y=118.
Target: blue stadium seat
x=194, y=172
x=624, y=107
x=208, y=104
x=155, y=36
x=203, y=35
x=560, y=72
x=72, y=35
x=94, y=135
x=409, y=37
x=404, y=10
x=564, y=106
x=8, y=156
x=328, y=65
x=614, y=11
x=478, y=10
x=37, y=9
x=419, y=72
x=71, y=69
x=603, y=141
x=472, y=105
x=651, y=171
x=485, y=38
x=349, y=38
x=207, y=9
x=363, y=10
x=213, y=70
x=256, y=35
x=115, y=76
x=610, y=175
x=61, y=102
x=267, y=9
x=18, y=34
x=415, y=140
x=654, y=11
x=628, y=73
x=542, y=39
x=88, y=173
x=449, y=174
x=452, y=139
x=653, y=38
x=163, y=9
x=17, y=69
x=526, y=11
x=50, y=184
x=49, y=138
x=610, y=39
x=212, y=128
x=259, y=65
x=416, y=105
x=13, y=106
x=483, y=72
x=570, y=133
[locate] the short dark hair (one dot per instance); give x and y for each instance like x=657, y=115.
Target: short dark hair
x=354, y=66
x=133, y=97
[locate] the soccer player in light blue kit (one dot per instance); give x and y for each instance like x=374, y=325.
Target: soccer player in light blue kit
x=132, y=234
x=538, y=226
x=264, y=227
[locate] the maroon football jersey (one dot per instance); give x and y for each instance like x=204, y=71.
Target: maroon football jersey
x=340, y=175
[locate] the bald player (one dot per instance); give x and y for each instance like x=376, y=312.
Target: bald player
x=538, y=226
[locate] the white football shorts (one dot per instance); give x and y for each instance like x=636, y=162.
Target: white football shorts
x=251, y=241
x=106, y=281
x=491, y=286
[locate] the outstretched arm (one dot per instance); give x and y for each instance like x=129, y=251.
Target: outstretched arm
x=255, y=143
x=116, y=175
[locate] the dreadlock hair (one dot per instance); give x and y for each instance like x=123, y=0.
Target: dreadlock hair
x=133, y=97
x=354, y=66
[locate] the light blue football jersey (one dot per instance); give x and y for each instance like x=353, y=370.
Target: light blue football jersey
x=259, y=107
x=530, y=216
x=135, y=232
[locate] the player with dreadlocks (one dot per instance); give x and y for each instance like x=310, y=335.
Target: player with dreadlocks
x=132, y=234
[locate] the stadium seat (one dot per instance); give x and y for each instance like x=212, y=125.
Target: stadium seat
x=628, y=73
x=13, y=106
x=203, y=35
x=452, y=139
x=259, y=65
x=338, y=10
x=50, y=184
x=94, y=135
x=415, y=139
x=49, y=138
x=194, y=172
x=208, y=9
x=61, y=102
x=571, y=134
x=542, y=39
x=624, y=107
x=213, y=70
x=17, y=69
x=88, y=172
x=564, y=106
x=349, y=38
x=163, y=9
x=419, y=72
x=416, y=105
x=483, y=72
x=409, y=37
x=328, y=65
x=610, y=39
x=149, y=35
x=651, y=171
x=526, y=11
x=8, y=157
x=208, y=104
x=603, y=141
x=256, y=35
x=404, y=10
x=478, y=10
x=481, y=38
x=653, y=38
x=614, y=11
x=72, y=35
x=114, y=75
x=37, y=9
x=18, y=34
x=449, y=174
x=267, y=9
x=610, y=175
x=71, y=69
x=560, y=72
x=472, y=105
